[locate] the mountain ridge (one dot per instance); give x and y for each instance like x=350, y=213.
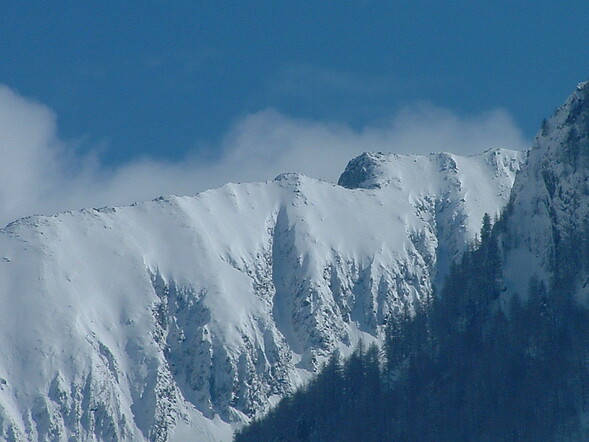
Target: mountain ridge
x=193, y=314
x=548, y=201
x=501, y=353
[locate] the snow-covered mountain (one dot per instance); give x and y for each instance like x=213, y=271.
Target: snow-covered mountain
x=183, y=317
x=548, y=225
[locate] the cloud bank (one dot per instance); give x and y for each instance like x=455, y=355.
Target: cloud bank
x=41, y=174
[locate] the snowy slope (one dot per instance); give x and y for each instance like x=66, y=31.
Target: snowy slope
x=453, y=191
x=185, y=316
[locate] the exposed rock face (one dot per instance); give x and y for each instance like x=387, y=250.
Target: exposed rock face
x=182, y=317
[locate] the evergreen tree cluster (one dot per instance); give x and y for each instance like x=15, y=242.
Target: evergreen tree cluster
x=459, y=369
x=327, y=407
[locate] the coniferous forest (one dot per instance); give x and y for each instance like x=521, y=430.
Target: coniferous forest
x=461, y=367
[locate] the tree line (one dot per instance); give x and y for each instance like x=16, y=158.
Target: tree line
x=462, y=366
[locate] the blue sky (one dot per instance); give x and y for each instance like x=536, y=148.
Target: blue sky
x=127, y=84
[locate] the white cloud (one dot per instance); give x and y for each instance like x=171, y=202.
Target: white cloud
x=41, y=174
x=31, y=156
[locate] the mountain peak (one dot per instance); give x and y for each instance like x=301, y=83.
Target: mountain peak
x=378, y=170
x=563, y=140
x=290, y=179
x=583, y=86
x=573, y=113
x=289, y=176
x=362, y=171
x=195, y=313
x=549, y=197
